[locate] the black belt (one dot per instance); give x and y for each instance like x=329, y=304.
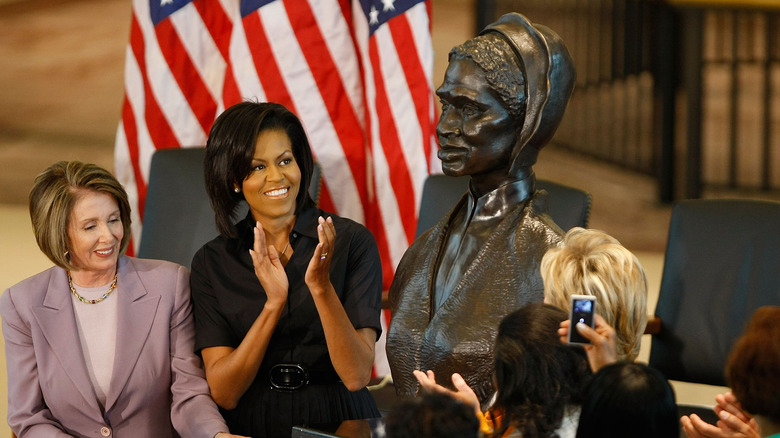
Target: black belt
x=288, y=376
x=293, y=376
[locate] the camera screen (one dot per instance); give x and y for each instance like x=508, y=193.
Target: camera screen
x=582, y=311
x=583, y=306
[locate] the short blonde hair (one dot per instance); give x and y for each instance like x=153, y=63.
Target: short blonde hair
x=591, y=262
x=53, y=196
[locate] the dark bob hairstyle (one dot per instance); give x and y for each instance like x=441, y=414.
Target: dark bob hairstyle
x=229, y=152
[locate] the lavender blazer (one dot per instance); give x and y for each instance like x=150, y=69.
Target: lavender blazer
x=157, y=385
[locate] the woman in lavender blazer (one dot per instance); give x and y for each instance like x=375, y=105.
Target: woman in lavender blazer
x=100, y=344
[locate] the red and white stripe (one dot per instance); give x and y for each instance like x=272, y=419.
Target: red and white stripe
x=366, y=102
x=174, y=77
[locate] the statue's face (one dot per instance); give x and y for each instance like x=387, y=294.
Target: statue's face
x=476, y=132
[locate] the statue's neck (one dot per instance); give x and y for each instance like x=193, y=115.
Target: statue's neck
x=486, y=183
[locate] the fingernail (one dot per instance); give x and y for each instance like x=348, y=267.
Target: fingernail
x=723, y=414
x=581, y=325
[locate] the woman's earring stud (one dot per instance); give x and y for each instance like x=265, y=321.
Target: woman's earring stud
x=236, y=189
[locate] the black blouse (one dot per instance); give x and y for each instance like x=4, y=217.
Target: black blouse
x=227, y=297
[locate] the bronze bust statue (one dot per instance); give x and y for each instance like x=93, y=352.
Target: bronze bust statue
x=503, y=96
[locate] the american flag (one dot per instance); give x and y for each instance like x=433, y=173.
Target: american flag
x=357, y=72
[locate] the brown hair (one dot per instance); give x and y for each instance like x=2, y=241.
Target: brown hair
x=752, y=368
x=53, y=195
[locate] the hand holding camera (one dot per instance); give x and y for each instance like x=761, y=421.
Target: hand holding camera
x=585, y=327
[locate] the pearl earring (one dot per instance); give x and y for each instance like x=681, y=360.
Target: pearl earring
x=236, y=189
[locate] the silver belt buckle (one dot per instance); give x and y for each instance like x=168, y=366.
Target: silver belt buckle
x=288, y=376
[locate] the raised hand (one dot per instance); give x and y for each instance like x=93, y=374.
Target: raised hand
x=603, y=347
x=268, y=268
x=318, y=272
x=463, y=391
x=728, y=402
x=733, y=421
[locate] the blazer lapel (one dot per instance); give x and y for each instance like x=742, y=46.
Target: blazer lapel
x=135, y=316
x=57, y=321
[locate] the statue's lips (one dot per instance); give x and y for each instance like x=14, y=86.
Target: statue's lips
x=448, y=153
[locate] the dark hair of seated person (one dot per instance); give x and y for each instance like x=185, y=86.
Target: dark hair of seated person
x=432, y=415
x=537, y=377
x=628, y=399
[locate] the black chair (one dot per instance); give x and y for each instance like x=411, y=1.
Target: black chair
x=178, y=218
x=569, y=206
x=721, y=264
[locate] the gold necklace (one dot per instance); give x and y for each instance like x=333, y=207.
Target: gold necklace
x=285, y=249
x=84, y=300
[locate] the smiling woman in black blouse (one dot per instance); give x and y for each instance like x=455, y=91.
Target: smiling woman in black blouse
x=287, y=301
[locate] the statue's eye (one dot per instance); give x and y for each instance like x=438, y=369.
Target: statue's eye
x=470, y=110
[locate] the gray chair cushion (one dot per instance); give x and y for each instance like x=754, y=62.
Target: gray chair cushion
x=178, y=218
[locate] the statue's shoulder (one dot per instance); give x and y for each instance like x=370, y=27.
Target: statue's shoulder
x=537, y=219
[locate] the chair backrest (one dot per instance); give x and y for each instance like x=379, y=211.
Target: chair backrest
x=721, y=264
x=569, y=206
x=178, y=218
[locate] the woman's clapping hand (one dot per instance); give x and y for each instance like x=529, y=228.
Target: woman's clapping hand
x=318, y=272
x=268, y=268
